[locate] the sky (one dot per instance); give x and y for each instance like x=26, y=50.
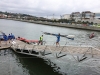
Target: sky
x=49, y=8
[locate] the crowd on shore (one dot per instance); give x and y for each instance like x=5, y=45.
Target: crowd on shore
x=6, y=38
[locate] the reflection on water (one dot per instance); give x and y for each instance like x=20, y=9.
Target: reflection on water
x=12, y=63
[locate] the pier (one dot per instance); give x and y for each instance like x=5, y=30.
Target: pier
x=78, y=53
x=4, y=46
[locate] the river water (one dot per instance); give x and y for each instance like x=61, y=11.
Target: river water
x=34, y=31
x=16, y=64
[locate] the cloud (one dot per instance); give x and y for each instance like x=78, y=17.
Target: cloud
x=49, y=7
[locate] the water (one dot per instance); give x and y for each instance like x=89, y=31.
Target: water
x=16, y=64
x=34, y=31
x=12, y=63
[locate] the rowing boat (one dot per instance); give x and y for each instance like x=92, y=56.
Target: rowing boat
x=66, y=36
x=27, y=41
x=91, y=35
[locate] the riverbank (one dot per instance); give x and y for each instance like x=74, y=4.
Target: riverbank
x=75, y=26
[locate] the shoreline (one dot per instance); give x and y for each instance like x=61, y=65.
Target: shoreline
x=74, y=26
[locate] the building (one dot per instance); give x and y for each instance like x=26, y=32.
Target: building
x=65, y=16
x=86, y=16
x=97, y=15
x=3, y=16
x=76, y=16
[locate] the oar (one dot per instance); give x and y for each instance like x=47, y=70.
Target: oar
x=47, y=33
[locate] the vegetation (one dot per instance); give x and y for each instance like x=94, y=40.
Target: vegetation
x=30, y=17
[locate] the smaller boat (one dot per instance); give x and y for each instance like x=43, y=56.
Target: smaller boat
x=27, y=41
x=31, y=41
x=91, y=35
x=71, y=37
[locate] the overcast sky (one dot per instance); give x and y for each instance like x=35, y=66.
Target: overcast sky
x=49, y=7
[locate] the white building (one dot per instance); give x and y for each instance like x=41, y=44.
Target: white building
x=65, y=16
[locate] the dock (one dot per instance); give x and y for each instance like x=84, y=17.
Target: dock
x=3, y=46
x=57, y=52
x=79, y=53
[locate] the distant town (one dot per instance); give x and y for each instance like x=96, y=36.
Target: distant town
x=85, y=17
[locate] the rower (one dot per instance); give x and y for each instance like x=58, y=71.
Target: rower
x=91, y=36
x=41, y=40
